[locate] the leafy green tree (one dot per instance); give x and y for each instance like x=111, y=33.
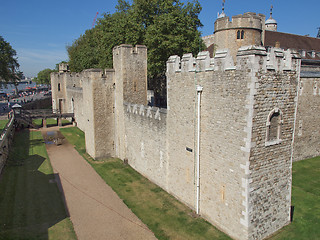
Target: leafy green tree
x=43, y=76
x=166, y=27
x=9, y=66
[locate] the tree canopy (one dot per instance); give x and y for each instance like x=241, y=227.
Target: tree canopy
x=9, y=66
x=43, y=76
x=166, y=27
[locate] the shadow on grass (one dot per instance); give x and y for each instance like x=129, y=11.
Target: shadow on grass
x=30, y=201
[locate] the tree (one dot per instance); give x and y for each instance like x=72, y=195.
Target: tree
x=174, y=32
x=43, y=76
x=9, y=66
x=166, y=27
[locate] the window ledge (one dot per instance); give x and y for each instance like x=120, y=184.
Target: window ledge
x=273, y=142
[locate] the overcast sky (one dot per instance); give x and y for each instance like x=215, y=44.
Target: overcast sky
x=40, y=30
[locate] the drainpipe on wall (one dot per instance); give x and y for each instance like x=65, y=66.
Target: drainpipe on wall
x=199, y=90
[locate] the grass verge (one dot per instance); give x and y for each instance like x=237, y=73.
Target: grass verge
x=3, y=124
x=31, y=206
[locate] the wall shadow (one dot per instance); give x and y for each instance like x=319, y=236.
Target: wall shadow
x=30, y=199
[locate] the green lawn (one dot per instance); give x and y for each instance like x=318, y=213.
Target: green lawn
x=169, y=219
x=3, y=124
x=31, y=205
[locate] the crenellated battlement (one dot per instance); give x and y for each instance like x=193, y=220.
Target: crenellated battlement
x=97, y=72
x=246, y=20
x=138, y=49
x=274, y=59
x=146, y=111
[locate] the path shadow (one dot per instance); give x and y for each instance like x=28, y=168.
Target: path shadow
x=30, y=199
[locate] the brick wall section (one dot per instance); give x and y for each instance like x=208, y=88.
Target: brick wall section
x=90, y=95
x=58, y=95
x=132, y=71
x=270, y=166
x=130, y=66
x=181, y=96
x=103, y=103
x=223, y=118
x=76, y=93
x=307, y=135
x=88, y=113
x=145, y=137
x=98, y=105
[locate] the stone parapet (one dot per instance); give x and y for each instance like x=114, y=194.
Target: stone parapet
x=275, y=59
x=246, y=20
x=145, y=111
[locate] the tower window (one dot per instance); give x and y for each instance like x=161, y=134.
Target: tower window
x=240, y=34
x=59, y=87
x=273, y=125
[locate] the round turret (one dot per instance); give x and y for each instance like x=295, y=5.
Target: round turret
x=242, y=30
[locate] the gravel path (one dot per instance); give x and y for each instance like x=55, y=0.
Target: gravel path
x=95, y=209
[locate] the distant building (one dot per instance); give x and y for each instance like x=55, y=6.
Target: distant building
x=252, y=29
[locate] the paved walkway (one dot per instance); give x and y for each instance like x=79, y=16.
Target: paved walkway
x=95, y=209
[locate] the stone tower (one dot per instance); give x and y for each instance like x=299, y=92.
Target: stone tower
x=130, y=66
x=271, y=23
x=242, y=30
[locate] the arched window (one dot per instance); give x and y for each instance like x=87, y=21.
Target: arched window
x=59, y=87
x=242, y=34
x=238, y=34
x=273, y=131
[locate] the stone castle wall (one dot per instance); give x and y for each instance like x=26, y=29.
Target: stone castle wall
x=181, y=104
x=236, y=102
x=307, y=135
x=87, y=94
x=220, y=152
x=268, y=173
x=146, y=142
x=245, y=176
